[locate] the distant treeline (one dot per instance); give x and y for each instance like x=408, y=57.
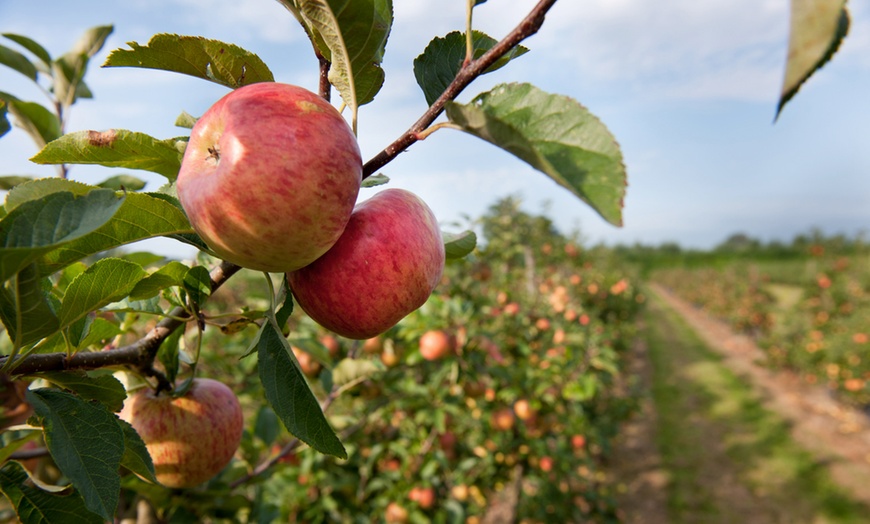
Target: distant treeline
x=740, y=246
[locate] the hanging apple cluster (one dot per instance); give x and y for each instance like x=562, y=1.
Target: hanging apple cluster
x=269, y=180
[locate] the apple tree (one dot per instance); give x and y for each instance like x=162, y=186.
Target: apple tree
x=89, y=325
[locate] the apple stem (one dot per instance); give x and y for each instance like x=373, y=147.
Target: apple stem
x=473, y=69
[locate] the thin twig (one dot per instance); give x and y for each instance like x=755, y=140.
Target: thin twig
x=529, y=26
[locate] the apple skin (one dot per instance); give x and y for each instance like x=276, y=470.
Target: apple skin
x=283, y=182
x=190, y=438
x=385, y=265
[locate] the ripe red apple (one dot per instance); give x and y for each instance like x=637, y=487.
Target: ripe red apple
x=436, y=344
x=270, y=176
x=425, y=497
x=190, y=438
x=385, y=265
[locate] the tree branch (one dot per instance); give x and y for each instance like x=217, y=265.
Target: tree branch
x=139, y=354
x=526, y=28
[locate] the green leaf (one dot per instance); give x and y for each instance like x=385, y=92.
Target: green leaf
x=197, y=283
x=105, y=389
x=10, y=181
x=5, y=126
x=34, y=189
x=39, y=226
x=68, y=71
x=289, y=394
x=818, y=27
x=442, y=60
x=17, y=61
x=352, y=35
x=168, y=353
x=36, y=506
x=555, y=135
x=41, y=124
x=172, y=274
x=25, y=308
x=100, y=331
x=213, y=60
x=375, y=180
x=123, y=182
x=352, y=369
x=141, y=216
x=86, y=442
x=115, y=148
x=136, y=457
x=31, y=46
x=107, y=281
x=459, y=245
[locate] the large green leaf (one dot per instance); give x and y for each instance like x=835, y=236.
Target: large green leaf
x=352, y=35
x=442, y=60
x=34, y=189
x=25, y=308
x=289, y=394
x=106, y=281
x=555, y=135
x=37, y=506
x=86, y=442
x=213, y=60
x=818, y=27
x=105, y=389
x=38, y=226
x=17, y=61
x=115, y=148
x=141, y=216
x=32, y=46
x=172, y=274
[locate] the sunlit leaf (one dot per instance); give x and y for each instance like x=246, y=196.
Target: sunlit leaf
x=115, y=148
x=555, y=135
x=106, y=281
x=375, y=180
x=213, y=60
x=818, y=27
x=123, y=182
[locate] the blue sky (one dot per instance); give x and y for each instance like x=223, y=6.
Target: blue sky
x=688, y=88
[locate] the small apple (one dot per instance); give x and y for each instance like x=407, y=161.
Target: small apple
x=270, y=176
x=332, y=345
x=309, y=366
x=523, y=409
x=425, y=497
x=373, y=345
x=190, y=438
x=502, y=419
x=395, y=514
x=385, y=265
x=546, y=464
x=436, y=344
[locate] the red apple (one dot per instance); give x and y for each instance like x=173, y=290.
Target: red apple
x=270, y=176
x=395, y=514
x=385, y=265
x=190, y=438
x=436, y=344
x=309, y=366
x=502, y=419
x=425, y=497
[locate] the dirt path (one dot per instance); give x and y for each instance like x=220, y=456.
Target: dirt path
x=837, y=435
x=720, y=439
